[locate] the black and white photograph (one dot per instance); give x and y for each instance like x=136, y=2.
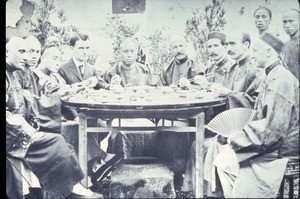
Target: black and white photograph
x=152, y=99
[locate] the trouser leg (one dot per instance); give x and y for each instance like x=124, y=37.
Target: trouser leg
x=70, y=132
x=55, y=165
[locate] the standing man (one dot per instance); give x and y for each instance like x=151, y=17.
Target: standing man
x=46, y=154
x=263, y=18
x=291, y=49
x=246, y=78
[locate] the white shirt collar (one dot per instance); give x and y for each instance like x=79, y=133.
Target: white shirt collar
x=77, y=62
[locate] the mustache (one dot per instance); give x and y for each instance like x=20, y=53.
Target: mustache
x=179, y=53
x=213, y=54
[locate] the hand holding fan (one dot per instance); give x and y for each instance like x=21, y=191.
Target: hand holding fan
x=231, y=120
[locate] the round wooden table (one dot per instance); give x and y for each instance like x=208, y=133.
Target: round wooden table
x=144, y=102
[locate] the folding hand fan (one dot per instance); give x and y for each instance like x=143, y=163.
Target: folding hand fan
x=231, y=120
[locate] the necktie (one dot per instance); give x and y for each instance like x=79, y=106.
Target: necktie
x=81, y=70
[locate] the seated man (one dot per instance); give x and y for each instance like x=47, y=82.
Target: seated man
x=251, y=163
x=221, y=69
x=182, y=67
x=26, y=77
x=77, y=71
x=46, y=154
x=48, y=80
x=128, y=72
x=245, y=80
x=172, y=146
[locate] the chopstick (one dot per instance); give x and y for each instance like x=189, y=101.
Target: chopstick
x=192, y=79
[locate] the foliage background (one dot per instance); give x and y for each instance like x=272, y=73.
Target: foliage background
x=54, y=21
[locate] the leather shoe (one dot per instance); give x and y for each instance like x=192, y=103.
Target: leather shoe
x=104, y=170
x=77, y=196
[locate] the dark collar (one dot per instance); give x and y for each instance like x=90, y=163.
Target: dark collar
x=182, y=60
x=243, y=61
x=46, y=71
x=269, y=68
x=222, y=62
x=9, y=68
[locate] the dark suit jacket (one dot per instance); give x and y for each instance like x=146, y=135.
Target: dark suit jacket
x=71, y=75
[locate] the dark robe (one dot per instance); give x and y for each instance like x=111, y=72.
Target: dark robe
x=136, y=75
x=46, y=154
x=223, y=72
x=187, y=68
x=291, y=56
x=246, y=84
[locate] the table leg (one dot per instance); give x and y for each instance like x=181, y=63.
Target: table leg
x=199, y=159
x=82, y=147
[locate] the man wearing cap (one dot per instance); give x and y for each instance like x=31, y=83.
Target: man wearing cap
x=246, y=77
x=253, y=161
x=291, y=50
x=274, y=134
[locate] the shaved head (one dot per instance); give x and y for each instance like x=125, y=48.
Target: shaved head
x=290, y=22
x=51, y=59
x=291, y=11
x=177, y=38
x=128, y=51
x=16, y=52
x=15, y=42
x=53, y=50
x=33, y=41
x=34, y=51
x=129, y=42
x=178, y=45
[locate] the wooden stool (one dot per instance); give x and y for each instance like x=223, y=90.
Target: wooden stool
x=142, y=178
x=290, y=179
